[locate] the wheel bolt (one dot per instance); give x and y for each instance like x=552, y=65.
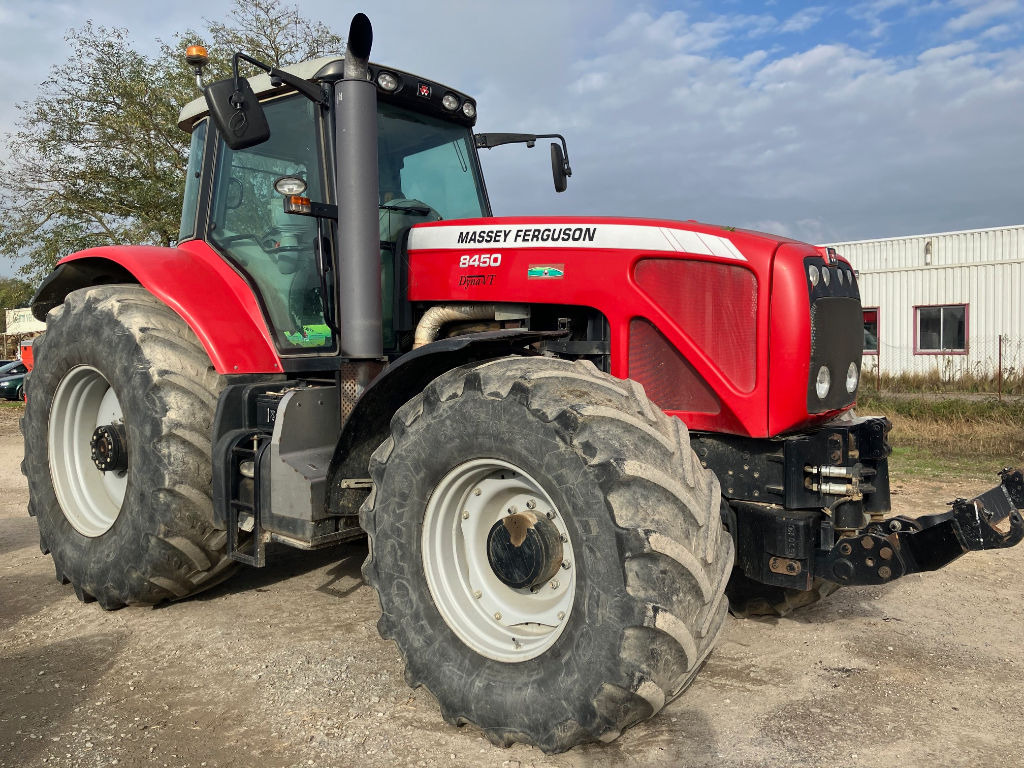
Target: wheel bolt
x=512, y=510
x=477, y=594
x=531, y=504
x=497, y=616
x=566, y=565
x=554, y=584
x=465, y=515
x=477, y=491
x=550, y=514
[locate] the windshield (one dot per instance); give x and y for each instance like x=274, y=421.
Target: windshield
x=248, y=222
x=426, y=171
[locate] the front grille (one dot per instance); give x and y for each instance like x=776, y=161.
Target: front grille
x=837, y=335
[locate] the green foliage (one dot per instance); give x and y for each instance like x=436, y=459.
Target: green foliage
x=14, y=292
x=99, y=158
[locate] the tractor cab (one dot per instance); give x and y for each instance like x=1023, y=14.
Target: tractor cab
x=428, y=170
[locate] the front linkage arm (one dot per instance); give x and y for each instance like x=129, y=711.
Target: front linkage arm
x=902, y=545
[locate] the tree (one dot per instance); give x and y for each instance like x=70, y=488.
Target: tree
x=98, y=158
x=14, y=293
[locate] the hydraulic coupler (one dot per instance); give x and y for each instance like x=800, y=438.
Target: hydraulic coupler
x=895, y=547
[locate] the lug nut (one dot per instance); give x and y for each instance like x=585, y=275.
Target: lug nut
x=566, y=565
x=550, y=514
x=465, y=515
x=555, y=584
x=477, y=594
x=477, y=491
x=512, y=510
x=563, y=537
x=531, y=504
x=497, y=616
x=561, y=615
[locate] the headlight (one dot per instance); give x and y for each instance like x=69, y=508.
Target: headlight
x=852, y=375
x=450, y=102
x=387, y=81
x=469, y=109
x=290, y=185
x=813, y=275
x=822, y=382
x=826, y=275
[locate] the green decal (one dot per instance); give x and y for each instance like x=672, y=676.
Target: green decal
x=311, y=336
x=545, y=271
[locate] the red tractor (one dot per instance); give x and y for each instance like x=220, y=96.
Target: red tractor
x=567, y=439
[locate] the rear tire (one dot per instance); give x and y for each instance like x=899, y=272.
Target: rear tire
x=649, y=558
x=144, y=534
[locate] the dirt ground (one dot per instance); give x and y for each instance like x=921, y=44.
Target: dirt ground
x=283, y=667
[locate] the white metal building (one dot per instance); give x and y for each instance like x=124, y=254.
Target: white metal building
x=951, y=302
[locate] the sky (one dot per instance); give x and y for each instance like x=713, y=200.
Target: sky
x=821, y=121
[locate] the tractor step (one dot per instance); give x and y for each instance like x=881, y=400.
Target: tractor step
x=243, y=503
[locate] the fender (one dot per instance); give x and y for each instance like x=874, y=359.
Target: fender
x=193, y=280
x=368, y=425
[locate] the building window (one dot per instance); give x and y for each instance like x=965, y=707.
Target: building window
x=871, y=331
x=941, y=330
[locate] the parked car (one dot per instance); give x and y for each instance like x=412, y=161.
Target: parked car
x=12, y=380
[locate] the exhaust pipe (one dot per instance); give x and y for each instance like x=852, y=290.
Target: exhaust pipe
x=357, y=279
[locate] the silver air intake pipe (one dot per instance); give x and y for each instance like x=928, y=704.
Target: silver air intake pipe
x=357, y=279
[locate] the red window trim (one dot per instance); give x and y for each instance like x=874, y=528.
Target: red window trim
x=878, y=328
x=967, y=330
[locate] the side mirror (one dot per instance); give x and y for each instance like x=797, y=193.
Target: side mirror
x=558, y=168
x=237, y=113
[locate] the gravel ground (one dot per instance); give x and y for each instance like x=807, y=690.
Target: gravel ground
x=283, y=666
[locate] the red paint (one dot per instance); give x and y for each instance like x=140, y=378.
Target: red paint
x=764, y=396
x=26, y=353
x=213, y=299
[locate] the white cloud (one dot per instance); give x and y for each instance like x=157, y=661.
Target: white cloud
x=803, y=20
x=664, y=118
x=981, y=13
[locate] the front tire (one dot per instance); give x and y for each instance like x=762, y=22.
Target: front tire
x=115, y=358
x=592, y=647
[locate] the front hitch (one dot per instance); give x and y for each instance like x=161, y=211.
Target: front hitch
x=902, y=545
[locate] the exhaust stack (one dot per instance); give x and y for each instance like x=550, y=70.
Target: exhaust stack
x=357, y=279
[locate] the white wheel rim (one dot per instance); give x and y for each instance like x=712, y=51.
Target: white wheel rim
x=90, y=499
x=492, y=618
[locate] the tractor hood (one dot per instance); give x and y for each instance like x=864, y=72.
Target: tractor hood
x=734, y=306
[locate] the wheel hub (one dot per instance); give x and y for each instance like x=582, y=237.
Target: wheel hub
x=109, y=446
x=499, y=560
x=85, y=441
x=524, y=550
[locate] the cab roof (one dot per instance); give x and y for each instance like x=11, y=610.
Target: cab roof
x=261, y=86
x=421, y=94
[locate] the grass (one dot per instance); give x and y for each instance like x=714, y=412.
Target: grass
x=935, y=437
x=936, y=382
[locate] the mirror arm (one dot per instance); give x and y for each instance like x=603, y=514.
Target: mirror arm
x=492, y=140
x=278, y=76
